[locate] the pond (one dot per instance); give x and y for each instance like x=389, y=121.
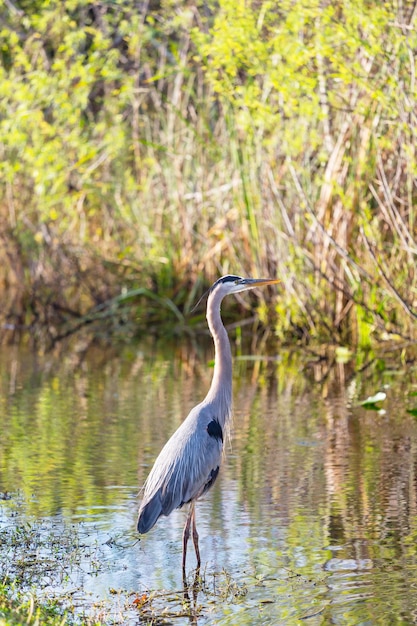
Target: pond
x=313, y=518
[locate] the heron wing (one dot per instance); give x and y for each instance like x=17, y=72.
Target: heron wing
x=186, y=467
x=149, y=513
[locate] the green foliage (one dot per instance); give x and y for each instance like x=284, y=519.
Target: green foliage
x=60, y=100
x=268, y=61
x=321, y=91
x=22, y=610
x=148, y=146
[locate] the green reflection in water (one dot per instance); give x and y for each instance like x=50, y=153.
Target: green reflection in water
x=316, y=507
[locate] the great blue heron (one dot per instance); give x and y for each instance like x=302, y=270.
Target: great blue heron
x=188, y=464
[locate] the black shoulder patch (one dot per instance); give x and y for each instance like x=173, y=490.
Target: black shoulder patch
x=215, y=430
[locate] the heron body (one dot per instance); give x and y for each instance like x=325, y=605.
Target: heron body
x=186, y=467
x=189, y=463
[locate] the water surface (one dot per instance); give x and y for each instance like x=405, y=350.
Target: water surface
x=313, y=518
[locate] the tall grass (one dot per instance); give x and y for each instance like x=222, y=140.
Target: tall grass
x=138, y=154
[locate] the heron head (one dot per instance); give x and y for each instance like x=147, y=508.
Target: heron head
x=235, y=284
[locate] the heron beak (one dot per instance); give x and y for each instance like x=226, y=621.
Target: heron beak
x=251, y=283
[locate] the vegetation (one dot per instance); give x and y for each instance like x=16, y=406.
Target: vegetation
x=20, y=611
x=147, y=147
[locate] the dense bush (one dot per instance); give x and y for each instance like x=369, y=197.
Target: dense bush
x=157, y=144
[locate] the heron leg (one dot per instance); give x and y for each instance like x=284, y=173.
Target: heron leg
x=185, y=537
x=195, y=539
x=191, y=605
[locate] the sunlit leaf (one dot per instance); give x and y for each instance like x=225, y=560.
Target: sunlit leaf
x=371, y=401
x=343, y=354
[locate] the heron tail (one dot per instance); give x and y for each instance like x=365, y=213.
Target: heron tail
x=149, y=513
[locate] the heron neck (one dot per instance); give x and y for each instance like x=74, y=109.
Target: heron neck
x=221, y=385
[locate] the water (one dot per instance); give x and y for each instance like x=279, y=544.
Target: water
x=313, y=518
